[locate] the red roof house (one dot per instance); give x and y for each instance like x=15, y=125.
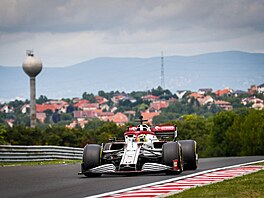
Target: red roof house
x=81, y=103
x=119, y=118
x=149, y=116
x=196, y=95
x=150, y=98
x=223, y=92
x=43, y=107
x=101, y=100
x=161, y=104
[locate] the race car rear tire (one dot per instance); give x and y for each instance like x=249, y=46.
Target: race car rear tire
x=91, y=159
x=172, y=151
x=189, y=154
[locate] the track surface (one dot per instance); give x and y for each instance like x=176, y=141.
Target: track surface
x=63, y=181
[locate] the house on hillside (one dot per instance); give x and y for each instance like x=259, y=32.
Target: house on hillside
x=223, y=92
x=149, y=116
x=119, y=118
x=53, y=105
x=81, y=123
x=80, y=103
x=90, y=106
x=201, y=98
x=10, y=122
x=25, y=108
x=181, y=93
x=76, y=100
x=205, y=91
x=257, y=103
x=195, y=95
x=104, y=107
x=130, y=114
x=87, y=114
x=252, y=90
x=59, y=104
x=104, y=116
x=205, y=100
x=260, y=89
x=43, y=107
x=101, y=100
x=115, y=99
x=149, y=98
x=113, y=109
x=223, y=104
x=158, y=105
x=41, y=117
x=7, y=109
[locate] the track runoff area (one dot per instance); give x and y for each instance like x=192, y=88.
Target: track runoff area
x=176, y=185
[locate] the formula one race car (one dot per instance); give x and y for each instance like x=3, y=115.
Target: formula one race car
x=141, y=152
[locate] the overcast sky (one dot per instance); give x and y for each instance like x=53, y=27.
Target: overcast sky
x=66, y=32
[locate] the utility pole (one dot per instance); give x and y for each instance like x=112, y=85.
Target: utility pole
x=162, y=78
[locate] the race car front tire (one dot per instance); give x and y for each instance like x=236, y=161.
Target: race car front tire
x=91, y=159
x=172, y=151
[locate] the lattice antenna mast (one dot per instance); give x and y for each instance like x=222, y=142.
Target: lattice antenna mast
x=162, y=78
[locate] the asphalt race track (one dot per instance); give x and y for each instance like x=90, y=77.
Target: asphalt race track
x=62, y=180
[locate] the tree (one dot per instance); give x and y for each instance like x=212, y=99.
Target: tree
x=70, y=108
x=217, y=137
x=195, y=128
x=21, y=135
x=252, y=133
x=158, y=91
x=233, y=141
x=56, y=116
x=165, y=117
x=48, y=113
x=89, y=97
x=2, y=135
x=42, y=99
x=104, y=94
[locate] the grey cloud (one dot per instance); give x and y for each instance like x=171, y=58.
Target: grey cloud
x=60, y=16
x=76, y=29
x=82, y=15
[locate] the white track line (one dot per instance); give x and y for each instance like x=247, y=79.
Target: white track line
x=169, y=180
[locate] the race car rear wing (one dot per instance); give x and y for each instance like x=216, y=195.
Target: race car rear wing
x=165, y=130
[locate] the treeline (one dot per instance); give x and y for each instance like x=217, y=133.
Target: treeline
x=95, y=131
x=228, y=133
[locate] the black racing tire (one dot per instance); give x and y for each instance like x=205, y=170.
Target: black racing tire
x=189, y=153
x=172, y=151
x=91, y=159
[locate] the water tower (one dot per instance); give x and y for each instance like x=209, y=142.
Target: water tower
x=32, y=66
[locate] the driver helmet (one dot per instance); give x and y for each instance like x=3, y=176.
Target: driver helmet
x=143, y=127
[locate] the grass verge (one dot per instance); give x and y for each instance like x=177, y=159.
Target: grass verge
x=251, y=185
x=35, y=163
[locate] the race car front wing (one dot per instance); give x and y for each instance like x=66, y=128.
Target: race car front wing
x=146, y=168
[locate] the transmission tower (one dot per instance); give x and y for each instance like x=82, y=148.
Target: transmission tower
x=162, y=78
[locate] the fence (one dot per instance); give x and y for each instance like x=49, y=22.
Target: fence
x=11, y=153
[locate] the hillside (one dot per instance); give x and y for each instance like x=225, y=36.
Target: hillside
x=234, y=69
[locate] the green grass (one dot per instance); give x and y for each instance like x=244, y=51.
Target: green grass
x=49, y=162
x=251, y=185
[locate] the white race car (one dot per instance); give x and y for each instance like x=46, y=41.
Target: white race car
x=141, y=152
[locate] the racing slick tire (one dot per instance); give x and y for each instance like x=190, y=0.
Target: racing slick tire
x=172, y=151
x=189, y=153
x=91, y=159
